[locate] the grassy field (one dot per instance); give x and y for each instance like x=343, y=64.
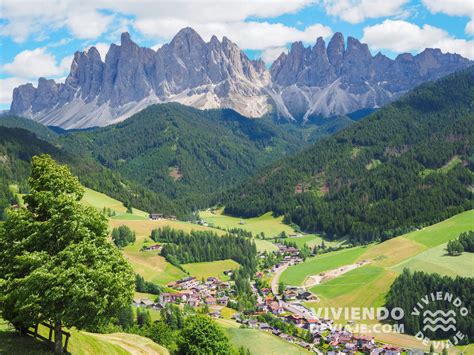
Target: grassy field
x=81, y=343
x=265, y=245
x=421, y=250
x=444, y=231
x=295, y=275
x=436, y=260
x=150, y=265
x=257, y=341
x=131, y=343
x=153, y=267
x=143, y=228
x=391, y=252
x=101, y=201
x=266, y=223
x=313, y=239
x=212, y=268
x=346, y=283
x=444, y=169
x=362, y=287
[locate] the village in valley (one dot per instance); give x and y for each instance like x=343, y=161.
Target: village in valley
x=279, y=309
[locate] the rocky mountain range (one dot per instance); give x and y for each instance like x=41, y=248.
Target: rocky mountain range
x=305, y=83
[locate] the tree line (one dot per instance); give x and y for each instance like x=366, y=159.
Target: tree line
x=408, y=291
x=201, y=246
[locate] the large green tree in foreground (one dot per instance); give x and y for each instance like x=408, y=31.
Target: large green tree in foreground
x=201, y=335
x=56, y=264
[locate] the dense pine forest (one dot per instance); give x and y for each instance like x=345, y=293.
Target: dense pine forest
x=410, y=288
x=405, y=166
x=200, y=246
x=18, y=146
x=185, y=153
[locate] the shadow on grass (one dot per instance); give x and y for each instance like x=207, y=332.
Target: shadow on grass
x=13, y=343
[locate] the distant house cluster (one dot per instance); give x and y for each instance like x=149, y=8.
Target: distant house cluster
x=154, y=247
x=160, y=216
x=195, y=293
x=292, y=293
x=340, y=341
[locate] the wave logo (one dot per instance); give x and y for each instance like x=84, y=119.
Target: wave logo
x=438, y=312
x=439, y=320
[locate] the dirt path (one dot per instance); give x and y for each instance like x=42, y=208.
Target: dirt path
x=314, y=280
x=133, y=344
x=276, y=278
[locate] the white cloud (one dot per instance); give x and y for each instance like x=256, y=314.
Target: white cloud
x=402, y=36
x=356, y=11
x=454, y=8
x=270, y=54
x=6, y=89
x=35, y=63
x=451, y=7
x=38, y=17
x=160, y=20
x=248, y=35
x=89, y=24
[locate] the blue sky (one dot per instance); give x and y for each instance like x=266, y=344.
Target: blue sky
x=39, y=37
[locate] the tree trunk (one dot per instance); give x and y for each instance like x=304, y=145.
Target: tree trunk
x=58, y=337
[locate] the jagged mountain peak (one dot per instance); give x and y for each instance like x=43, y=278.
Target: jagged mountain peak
x=318, y=80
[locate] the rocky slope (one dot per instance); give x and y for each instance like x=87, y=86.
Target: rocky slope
x=187, y=70
x=338, y=79
x=305, y=83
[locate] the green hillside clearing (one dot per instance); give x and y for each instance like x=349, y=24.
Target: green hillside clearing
x=100, y=201
x=436, y=260
x=444, y=231
x=266, y=223
x=211, y=268
x=295, y=275
x=420, y=250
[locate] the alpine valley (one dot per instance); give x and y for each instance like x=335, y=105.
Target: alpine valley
x=192, y=200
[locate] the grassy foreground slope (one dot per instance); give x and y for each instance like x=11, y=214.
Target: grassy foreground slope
x=81, y=343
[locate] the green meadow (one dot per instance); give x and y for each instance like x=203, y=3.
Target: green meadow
x=313, y=239
x=266, y=223
x=444, y=231
x=295, y=275
x=436, y=260
x=422, y=250
x=258, y=341
x=100, y=201
x=211, y=268
x=264, y=245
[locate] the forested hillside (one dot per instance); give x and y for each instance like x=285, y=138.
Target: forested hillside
x=185, y=153
x=411, y=287
x=405, y=166
x=38, y=129
x=18, y=146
